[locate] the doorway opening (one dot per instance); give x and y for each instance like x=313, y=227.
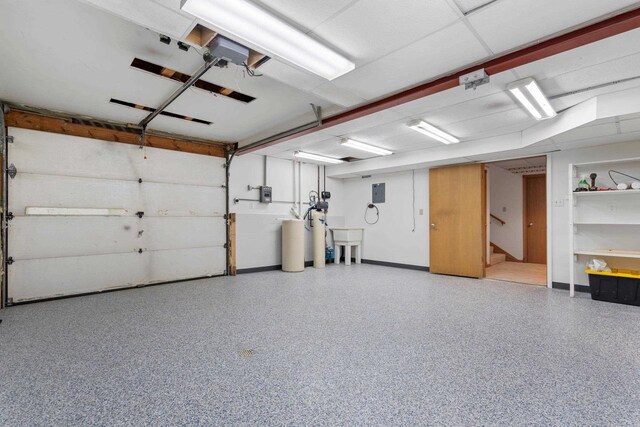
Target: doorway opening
x=517, y=225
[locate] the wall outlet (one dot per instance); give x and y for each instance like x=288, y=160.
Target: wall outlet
x=421, y=212
x=558, y=203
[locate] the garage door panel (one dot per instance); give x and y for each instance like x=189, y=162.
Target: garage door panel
x=184, y=232
x=49, y=277
x=181, y=233
x=154, y=199
x=182, y=200
x=31, y=190
x=186, y=263
x=169, y=166
x=63, y=236
x=57, y=154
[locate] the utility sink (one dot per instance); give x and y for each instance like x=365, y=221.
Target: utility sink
x=343, y=234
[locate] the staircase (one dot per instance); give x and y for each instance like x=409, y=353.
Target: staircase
x=497, y=258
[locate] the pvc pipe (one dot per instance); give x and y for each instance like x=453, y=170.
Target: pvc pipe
x=318, y=240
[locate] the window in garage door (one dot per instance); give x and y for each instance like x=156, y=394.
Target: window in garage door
x=78, y=246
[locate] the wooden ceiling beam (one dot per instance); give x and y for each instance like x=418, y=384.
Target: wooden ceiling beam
x=26, y=120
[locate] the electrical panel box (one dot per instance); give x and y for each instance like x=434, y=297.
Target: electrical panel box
x=265, y=194
x=377, y=193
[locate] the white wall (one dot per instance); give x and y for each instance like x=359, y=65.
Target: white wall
x=393, y=238
x=505, y=202
x=258, y=225
x=561, y=232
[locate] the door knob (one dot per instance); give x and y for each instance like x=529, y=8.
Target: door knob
x=530, y=224
x=433, y=226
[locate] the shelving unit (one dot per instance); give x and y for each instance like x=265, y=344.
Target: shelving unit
x=607, y=193
x=611, y=253
x=603, y=224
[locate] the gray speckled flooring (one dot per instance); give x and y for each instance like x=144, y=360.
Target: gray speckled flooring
x=358, y=345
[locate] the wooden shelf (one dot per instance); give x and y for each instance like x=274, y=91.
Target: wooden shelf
x=602, y=193
x=610, y=253
x=605, y=223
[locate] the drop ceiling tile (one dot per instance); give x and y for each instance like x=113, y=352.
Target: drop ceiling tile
x=290, y=75
x=447, y=50
x=587, y=56
x=296, y=143
x=618, y=69
x=601, y=140
x=409, y=142
x=507, y=25
x=372, y=28
x=587, y=132
x=468, y=5
x=628, y=126
x=492, y=125
x=382, y=132
x=366, y=122
x=333, y=148
x=305, y=14
x=147, y=13
x=338, y=96
x=478, y=107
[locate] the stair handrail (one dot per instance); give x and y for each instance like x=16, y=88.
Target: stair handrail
x=502, y=222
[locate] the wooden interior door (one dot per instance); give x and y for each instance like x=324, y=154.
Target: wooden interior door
x=457, y=216
x=535, y=218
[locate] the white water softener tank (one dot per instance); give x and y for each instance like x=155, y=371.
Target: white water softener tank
x=293, y=245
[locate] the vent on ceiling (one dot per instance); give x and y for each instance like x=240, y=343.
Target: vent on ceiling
x=168, y=73
x=163, y=113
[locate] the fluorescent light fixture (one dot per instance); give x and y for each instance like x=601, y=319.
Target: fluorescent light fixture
x=528, y=93
x=316, y=157
x=433, y=132
x=365, y=147
x=245, y=22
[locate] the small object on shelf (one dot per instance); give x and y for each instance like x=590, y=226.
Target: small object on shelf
x=635, y=185
x=598, y=265
x=593, y=177
x=627, y=186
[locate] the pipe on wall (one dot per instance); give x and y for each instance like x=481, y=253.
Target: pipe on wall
x=299, y=189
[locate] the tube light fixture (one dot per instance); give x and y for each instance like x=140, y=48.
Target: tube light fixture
x=528, y=93
x=365, y=147
x=244, y=21
x=433, y=132
x=316, y=157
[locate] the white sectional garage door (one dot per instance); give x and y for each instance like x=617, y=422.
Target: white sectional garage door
x=75, y=227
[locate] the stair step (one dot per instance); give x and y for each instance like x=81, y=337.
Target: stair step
x=492, y=249
x=497, y=258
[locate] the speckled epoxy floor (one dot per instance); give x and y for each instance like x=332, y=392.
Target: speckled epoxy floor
x=358, y=345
